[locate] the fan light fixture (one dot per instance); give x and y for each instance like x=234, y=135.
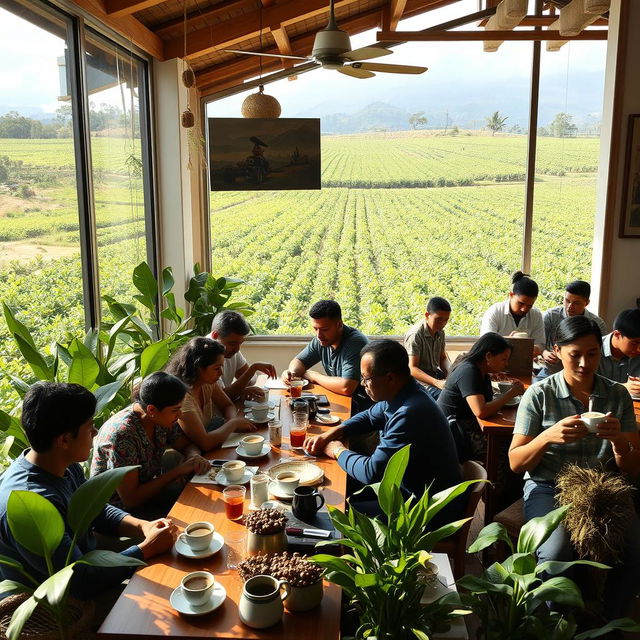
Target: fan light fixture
x=260, y=105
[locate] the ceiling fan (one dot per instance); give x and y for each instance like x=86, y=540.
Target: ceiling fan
x=332, y=50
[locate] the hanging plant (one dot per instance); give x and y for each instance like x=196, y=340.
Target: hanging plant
x=189, y=78
x=188, y=119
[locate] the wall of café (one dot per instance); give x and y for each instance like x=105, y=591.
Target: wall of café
x=617, y=260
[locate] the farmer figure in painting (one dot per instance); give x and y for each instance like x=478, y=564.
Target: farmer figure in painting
x=258, y=161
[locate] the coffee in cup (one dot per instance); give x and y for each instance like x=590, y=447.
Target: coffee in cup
x=197, y=587
x=259, y=412
x=288, y=481
x=198, y=535
x=252, y=444
x=520, y=334
x=592, y=419
x=234, y=470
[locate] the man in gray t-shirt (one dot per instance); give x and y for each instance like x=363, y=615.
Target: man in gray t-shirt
x=338, y=347
x=424, y=343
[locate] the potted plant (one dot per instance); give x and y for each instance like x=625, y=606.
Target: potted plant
x=304, y=578
x=38, y=526
x=266, y=529
x=510, y=597
x=380, y=574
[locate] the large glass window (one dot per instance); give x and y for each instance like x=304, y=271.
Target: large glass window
x=40, y=265
x=423, y=189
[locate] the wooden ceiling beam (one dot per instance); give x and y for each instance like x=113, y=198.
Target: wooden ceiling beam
x=547, y=21
x=284, y=46
x=119, y=8
x=475, y=36
x=128, y=26
x=393, y=14
x=170, y=26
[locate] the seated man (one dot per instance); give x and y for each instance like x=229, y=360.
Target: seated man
x=574, y=303
x=404, y=413
x=517, y=313
x=58, y=421
x=231, y=329
x=620, y=359
x=338, y=347
x=424, y=343
x=147, y=434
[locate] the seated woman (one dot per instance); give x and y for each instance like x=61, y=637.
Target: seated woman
x=549, y=434
x=208, y=415
x=140, y=435
x=467, y=394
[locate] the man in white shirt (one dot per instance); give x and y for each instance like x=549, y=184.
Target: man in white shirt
x=517, y=314
x=231, y=329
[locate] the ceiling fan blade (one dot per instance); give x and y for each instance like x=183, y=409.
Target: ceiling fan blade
x=388, y=68
x=264, y=55
x=355, y=72
x=365, y=53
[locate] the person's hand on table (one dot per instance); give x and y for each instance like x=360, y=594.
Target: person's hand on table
x=195, y=464
x=240, y=425
x=264, y=367
x=633, y=385
x=334, y=449
x=159, y=536
x=317, y=444
x=568, y=430
x=549, y=357
x=287, y=376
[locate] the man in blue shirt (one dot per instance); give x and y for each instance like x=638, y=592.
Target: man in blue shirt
x=338, y=347
x=404, y=413
x=58, y=421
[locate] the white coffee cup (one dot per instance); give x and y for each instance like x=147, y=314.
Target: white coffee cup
x=592, y=419
x=198, y=535
x=234, y=470
x=252, y=444
x=520, y=334
x=197, y=587
x=288, y=481
x=260, y=412
x=504, y=386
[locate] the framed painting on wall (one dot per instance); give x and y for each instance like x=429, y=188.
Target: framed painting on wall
x=256, y=154
x=630, y=218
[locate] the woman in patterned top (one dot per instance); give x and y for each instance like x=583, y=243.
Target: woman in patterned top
x=208, y=415
x=549, y=434
x=140, y=435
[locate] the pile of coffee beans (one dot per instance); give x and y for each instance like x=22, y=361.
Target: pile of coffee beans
x=285, y=566
x=266, y=521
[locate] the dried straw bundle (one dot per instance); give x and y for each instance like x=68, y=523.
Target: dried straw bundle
x=601, y=508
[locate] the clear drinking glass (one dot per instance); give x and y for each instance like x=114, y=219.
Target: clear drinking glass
x=235, y=541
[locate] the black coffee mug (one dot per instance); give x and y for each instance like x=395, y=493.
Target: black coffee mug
x=306, y=502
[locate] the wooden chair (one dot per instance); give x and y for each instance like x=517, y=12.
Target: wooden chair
x=455, y=546
x=512, y=518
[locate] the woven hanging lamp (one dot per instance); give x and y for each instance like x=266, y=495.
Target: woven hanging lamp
x=260, y=105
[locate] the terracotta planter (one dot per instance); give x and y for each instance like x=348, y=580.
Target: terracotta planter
x=304, y=598
x=41, y=625
x=262, y=544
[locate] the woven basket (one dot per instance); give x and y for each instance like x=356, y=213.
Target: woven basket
x=41, y=626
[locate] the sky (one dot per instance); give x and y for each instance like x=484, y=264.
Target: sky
x=29, y=72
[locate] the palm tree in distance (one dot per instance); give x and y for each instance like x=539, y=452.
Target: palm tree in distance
x=495, y=122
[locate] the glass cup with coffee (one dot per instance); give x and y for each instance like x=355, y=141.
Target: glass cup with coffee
x=197, y=587
x=198, y=535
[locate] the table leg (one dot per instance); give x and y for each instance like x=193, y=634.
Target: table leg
x=493, y=451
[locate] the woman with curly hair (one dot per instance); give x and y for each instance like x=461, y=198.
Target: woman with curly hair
x=208, y=415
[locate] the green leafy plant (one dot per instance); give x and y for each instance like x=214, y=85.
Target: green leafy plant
x=38, y=527
x=510, y=597
x=209, y=295
x=380, y=575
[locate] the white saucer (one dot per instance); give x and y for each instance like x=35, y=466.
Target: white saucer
x=514, y=402
x=222, y=479
x=266, y=447
x=276, y=492
x=183, y=549
x=326, y=418
x=249, y=416
x=248, y=404
x=182, y=605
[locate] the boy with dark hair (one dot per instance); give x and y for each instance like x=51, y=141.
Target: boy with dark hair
x=620, y=359
x=231, y=329
x=338, y=347
x=574, y=303
x=58, y=421
x=425, y=344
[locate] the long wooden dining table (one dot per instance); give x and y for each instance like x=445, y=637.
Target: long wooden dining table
x=143, y=609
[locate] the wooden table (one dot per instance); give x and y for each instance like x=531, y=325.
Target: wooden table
x=143, y=609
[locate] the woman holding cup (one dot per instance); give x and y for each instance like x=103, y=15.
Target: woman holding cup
x=550, y=433
x=208, y=415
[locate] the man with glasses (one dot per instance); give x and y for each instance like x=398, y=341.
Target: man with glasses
x=574, y=303
x=404, y=413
